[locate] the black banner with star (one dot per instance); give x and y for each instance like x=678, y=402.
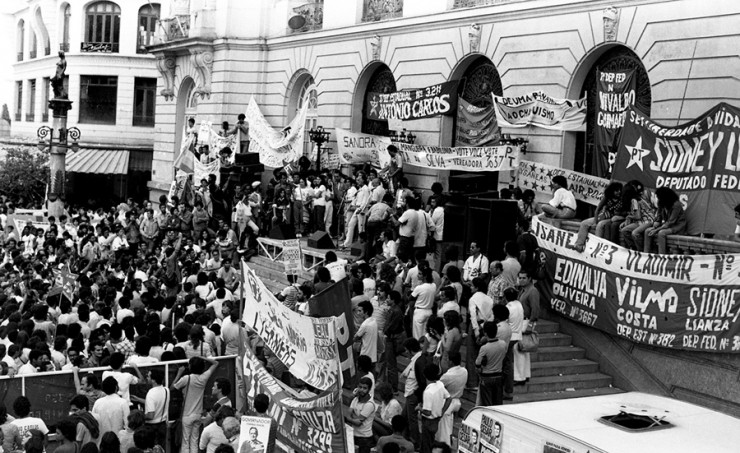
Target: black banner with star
x=700, y=160
x=615, y=91
x=537, y=176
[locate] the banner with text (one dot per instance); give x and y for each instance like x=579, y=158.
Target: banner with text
x=276, y=148
x=440, y=99
x=356, y=148
x=292, y=256
x=688, y=302
x=699, y=160
x=537, y=176
x=304, y=344
x=487, y=158
x=615, y=91
x=201, y=171
x=476, y=126
x=306, y=424
x=539, y=109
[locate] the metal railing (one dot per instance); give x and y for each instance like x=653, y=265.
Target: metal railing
x=99, y=47
x=273, y=249
x=177, y=27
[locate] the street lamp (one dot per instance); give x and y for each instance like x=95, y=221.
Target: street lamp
x=62, y=143
x=403, y=137
x=318, y=136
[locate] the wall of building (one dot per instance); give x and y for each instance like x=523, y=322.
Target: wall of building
x=46, y=17
x=687, y=47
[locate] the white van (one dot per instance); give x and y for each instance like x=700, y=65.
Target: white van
x=620, y=423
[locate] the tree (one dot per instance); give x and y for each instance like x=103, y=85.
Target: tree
x=6, y=114
x=23, y=175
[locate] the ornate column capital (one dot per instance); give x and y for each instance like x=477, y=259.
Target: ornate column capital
x=166, y=67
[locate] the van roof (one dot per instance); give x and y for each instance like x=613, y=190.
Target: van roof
x=694, y=428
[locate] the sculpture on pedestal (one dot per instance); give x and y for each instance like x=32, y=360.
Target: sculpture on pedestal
x=57, y=82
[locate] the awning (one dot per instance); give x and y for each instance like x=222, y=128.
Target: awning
x=98, y=161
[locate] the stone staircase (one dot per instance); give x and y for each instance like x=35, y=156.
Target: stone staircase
x=560, y=370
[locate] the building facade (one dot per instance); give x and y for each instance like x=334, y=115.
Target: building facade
x=111, y=81
x=216, y=54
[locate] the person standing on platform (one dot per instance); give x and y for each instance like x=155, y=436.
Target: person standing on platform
x=241, y=129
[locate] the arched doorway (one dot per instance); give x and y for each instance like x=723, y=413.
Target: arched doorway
x=478, y=79
x=187, y=106
x=381, y=81
x=303, y=89
x=612, y=58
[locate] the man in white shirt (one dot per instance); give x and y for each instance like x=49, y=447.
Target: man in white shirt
x=124, y=380
x=24, y=423
x=435, y=402
x=359, y=207
x=424, y=295
x=438, y=219
x=337, y=268
x=111, y=410
x=213, y=434
x=156, y=406
x=476, y=265
x=368, y=332
x=361, y=415
x=35, y=359
x=454, y=381
x=516, y=322
x=480, y=310
x=563, y=203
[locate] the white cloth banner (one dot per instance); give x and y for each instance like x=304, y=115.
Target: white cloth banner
x=276, y=148
x=356, y=148
x=218, y=143
x=537, y=177
x=203, y=170
x=488, y=158
x=306, y=345
x=541, y=110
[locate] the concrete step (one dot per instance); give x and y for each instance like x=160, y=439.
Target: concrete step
x=547, y=326
x=562, y=383
x=564, y=367
x=557, y=353
x=554, y=339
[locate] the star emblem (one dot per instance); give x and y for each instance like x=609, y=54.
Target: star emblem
x=532, y=167
x=637, y=154
x=549, y=173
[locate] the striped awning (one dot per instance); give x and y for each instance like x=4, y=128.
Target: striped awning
x=98, y=161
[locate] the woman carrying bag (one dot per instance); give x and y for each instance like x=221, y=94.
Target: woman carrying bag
x=192, y=387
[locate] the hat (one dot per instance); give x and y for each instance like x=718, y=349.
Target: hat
x=255, y=184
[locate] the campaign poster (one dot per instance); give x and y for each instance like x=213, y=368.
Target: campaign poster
x=491, y=432
x=468, y=439
x=292, y=256
x=254, y=435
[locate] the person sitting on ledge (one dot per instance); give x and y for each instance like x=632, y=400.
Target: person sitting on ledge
x=609, y=207
x=671, y=219
x=563, y=203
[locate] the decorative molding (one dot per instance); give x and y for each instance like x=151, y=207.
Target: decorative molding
x=611, y=23
x=376, y=44
x=474, y=34
x=202, y=59
x=166, y=66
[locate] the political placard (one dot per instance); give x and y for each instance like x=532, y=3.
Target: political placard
x=356, y=148
x=488, y=158
x=439, y=99
x=254, y=435
x=615, y=92
x=540, y=110
x=537, y=177
x=292, y=256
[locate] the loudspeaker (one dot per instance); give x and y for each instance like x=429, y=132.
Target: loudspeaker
x=357, y=249
x=491, y=223
x=282, y=231
x=247, y=159
x=321, y=240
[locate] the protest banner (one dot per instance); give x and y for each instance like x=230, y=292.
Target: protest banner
x=201, y=171
x=488, y=158
x=698, y=159
x=255, y=433
x=303, y=344
x=615, y=91
x=305, y=424
x=439, y=99
x=537, y=176
x=540, y=110
x=20, y=224
x=292, y=256
x=276, y=148
x=476, y=126
x=335, y=301
x=686, y=302
x=356, y=148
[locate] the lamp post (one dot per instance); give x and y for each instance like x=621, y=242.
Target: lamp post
x=318, y=136
x=56, y=139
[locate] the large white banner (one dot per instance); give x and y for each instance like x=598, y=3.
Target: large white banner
x=356, y=148
x=537, y=177
x=202, y=171
x=541, y=110
x=488, y=158
x=307, y=346
x=276, y=148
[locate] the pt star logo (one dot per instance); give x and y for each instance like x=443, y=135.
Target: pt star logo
x=637, y=154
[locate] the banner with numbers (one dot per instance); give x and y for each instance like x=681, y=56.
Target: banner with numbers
x=537, y=177
x=687, y=302
x=305, y=345
x=487, y=158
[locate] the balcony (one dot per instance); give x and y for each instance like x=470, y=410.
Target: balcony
x=307, y=17
x=146, y=38
x=99, y=47
x=177, y=27
x=471, y=3
x=45, y=117
x=64, y=47
x=377, y=10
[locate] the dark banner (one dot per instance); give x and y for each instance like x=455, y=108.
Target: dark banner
x=688, y=302
x=440, y=99
x=699, y=160
x=615, y=92
x=50, y=393
x=310, y=425
x=476, y=126
x=335, y=301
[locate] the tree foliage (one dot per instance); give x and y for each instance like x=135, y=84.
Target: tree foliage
x=24, y=173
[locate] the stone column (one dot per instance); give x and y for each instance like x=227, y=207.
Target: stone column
x=57, y=156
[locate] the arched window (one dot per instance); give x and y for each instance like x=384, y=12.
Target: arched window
x=66, y=14
x=32, y=47
x=382, y=81
x=102, y=27
x=148, y=16
x=308, y=93
x=20, y=39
